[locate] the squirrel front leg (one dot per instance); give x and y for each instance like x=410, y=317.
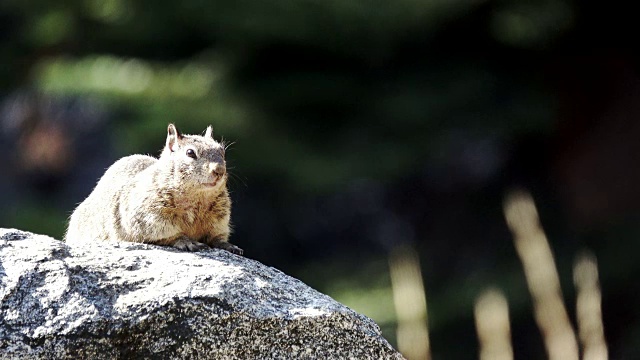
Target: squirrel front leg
x=229, y=247
x=185, y=243
x=221, y=242
x=181, y=242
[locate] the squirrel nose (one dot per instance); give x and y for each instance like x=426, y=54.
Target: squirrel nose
x=217, y=168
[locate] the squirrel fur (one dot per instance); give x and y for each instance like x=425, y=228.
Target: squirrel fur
x=180, y=199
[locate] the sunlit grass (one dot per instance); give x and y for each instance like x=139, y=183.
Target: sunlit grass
x=493, y=327
x=588, y=308
x=410, y=303
x=542, y=277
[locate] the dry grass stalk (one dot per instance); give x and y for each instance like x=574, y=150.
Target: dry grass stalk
x=492, y=324
x=410, y=304
x=588, y=308
x=542, y=277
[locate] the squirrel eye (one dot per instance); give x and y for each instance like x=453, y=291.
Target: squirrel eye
x=191, y=153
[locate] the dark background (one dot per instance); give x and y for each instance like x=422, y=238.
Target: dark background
x=359, y=126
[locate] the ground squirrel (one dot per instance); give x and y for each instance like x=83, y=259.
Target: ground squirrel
x=180, y=199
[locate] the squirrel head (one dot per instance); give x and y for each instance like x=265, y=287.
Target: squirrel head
x=196, y=161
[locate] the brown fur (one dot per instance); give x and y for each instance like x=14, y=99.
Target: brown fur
x=179, y=200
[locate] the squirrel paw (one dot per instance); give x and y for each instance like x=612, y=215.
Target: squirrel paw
x=189, y=245
x=229, y=247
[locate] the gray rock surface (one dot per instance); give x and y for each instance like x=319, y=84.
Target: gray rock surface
x=120, y=300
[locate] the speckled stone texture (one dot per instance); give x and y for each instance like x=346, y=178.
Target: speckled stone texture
x=120, y=300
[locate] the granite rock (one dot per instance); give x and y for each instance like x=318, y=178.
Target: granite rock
x=103, y=300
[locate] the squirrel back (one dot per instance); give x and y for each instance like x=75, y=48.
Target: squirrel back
x=180, y=199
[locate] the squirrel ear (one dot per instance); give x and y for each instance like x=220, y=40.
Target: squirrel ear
x=209, y=132
x=173, y=135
